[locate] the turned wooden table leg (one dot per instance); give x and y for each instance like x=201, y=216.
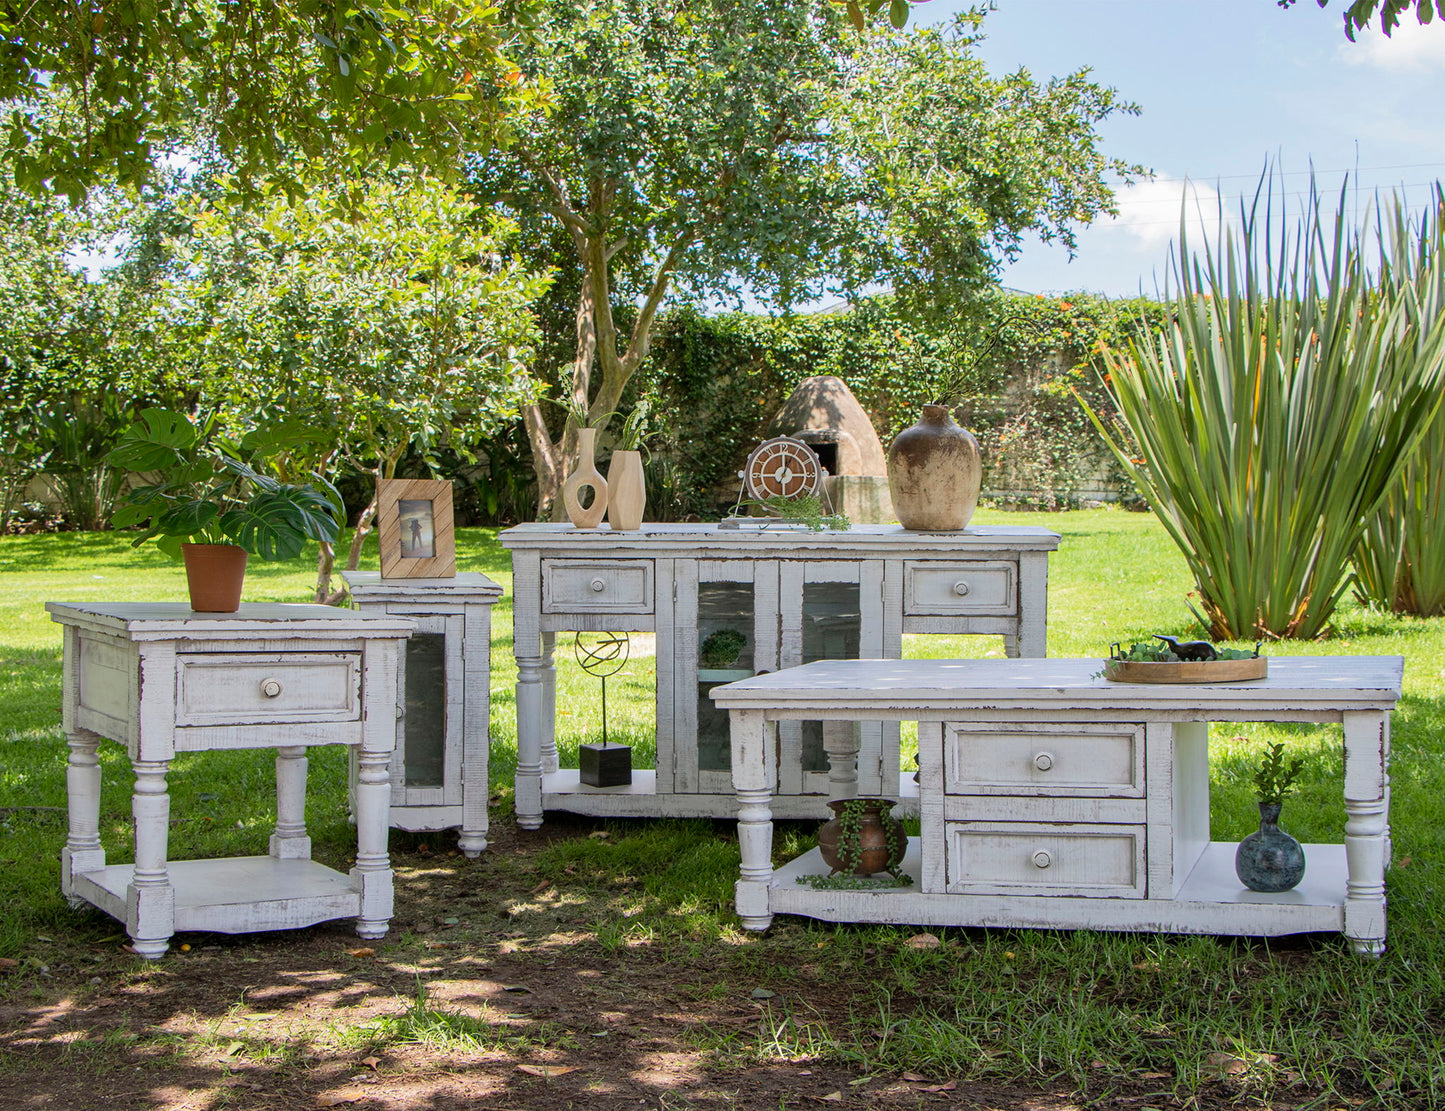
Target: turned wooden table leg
x=528, y=802
x=1366, y=829
x=754, y=773
x=150, y=901
x=841, y=743
x=83, y=852
x=372, y=873
x=549, y=705
x=290, y=842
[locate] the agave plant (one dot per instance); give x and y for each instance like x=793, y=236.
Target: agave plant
x=1400, y=563
x=1278, y=408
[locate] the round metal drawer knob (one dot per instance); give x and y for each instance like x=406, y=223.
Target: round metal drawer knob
x=1044, y=761
x=960, y=588
x=1042, y=859
x=270, y=687
x=598, y=586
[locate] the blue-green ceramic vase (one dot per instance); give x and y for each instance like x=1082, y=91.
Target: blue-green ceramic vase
x=1269, y=860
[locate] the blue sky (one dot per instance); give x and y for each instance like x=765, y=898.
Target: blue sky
x=1222, y=86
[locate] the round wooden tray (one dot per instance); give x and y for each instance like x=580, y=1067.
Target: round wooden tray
x=1192, y=671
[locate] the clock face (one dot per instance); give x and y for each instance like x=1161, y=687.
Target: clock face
x=781, y=467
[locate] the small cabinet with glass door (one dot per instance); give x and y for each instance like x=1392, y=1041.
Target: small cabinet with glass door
x=439, y=774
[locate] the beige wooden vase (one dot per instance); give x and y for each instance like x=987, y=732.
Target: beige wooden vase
x=586, y=474
x=626, y=490
x=934, y=473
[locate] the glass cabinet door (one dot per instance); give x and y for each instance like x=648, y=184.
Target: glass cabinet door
x=426, y=771
x=830, y=611
x=724, y=630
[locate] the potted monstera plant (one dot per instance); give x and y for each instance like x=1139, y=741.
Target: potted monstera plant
x=202, y=500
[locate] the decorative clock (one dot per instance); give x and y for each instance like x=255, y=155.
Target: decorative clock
x=782, y=468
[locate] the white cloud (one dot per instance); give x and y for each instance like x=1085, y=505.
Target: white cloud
x=1149, y=211
x=1410, y=47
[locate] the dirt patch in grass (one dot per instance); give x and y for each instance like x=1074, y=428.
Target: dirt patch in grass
x=504, y=984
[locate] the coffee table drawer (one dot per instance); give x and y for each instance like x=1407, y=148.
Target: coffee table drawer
x=1012, y=858
x=581, y=586
x=261, y=688
x=983, y=589
x=1084, y=760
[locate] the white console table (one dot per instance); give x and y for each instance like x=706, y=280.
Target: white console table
x=793, y=596
x=1050, y=797
x=161, y=679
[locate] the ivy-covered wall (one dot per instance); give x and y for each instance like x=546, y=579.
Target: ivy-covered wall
x=1013, y=366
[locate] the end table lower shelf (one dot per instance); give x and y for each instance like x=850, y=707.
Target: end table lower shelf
x=235, y=895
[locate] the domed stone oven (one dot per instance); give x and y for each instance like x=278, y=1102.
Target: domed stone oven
x=824, y=414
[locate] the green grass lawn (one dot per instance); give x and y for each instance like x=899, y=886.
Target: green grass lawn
x=1305, y=1017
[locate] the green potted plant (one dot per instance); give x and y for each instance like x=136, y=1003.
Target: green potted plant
x=717, y=657
x=1270, y=859
x=205, y=503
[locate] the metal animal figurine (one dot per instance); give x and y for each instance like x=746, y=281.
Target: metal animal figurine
x=1189, y=649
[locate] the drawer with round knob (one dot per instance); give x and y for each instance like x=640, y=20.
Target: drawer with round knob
x=585, y=586
x=1085, y=760
x=260, y=688
x=985, y=588
x=1015, y=858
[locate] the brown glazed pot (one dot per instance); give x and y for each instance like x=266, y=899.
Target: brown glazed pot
x=880, y=839
x=934, y=473
x=214, y=573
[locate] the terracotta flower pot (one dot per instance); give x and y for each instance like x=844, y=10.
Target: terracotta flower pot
x=934, y=473
x=876, y=845
x=214, y=574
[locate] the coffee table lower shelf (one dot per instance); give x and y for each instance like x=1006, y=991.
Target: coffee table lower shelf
x=1211, y=901
x=235, y=895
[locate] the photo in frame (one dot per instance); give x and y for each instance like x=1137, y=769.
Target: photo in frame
x=414, y=529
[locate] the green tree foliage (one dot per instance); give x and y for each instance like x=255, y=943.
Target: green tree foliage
x=1013, y=371
x=1358, y=13
x=402, y=329
x=690, y=145
x=97, y=90
x=75, y=359
x=1278, y=409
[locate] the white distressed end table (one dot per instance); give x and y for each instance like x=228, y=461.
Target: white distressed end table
x=161, y=679
x=1050, y=797
x=439, y=773
x=789, y=595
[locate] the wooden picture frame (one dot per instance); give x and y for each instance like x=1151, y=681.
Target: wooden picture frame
x=414, y=528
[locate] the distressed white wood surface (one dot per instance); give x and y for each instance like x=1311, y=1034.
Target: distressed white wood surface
x=459, y=609
x=567, y=579
x=1212, y=901
x=1005, y=842
x=273, y=675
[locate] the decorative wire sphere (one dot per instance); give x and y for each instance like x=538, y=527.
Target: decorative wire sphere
x=605, y=656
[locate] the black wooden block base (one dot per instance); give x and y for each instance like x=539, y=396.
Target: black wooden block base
x=605, y=765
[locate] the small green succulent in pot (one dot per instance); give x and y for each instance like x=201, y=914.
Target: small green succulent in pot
x=199, y=486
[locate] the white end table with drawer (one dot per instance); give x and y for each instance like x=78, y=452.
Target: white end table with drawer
x=794, y=596
x=1053, y=798
x=161, y=679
